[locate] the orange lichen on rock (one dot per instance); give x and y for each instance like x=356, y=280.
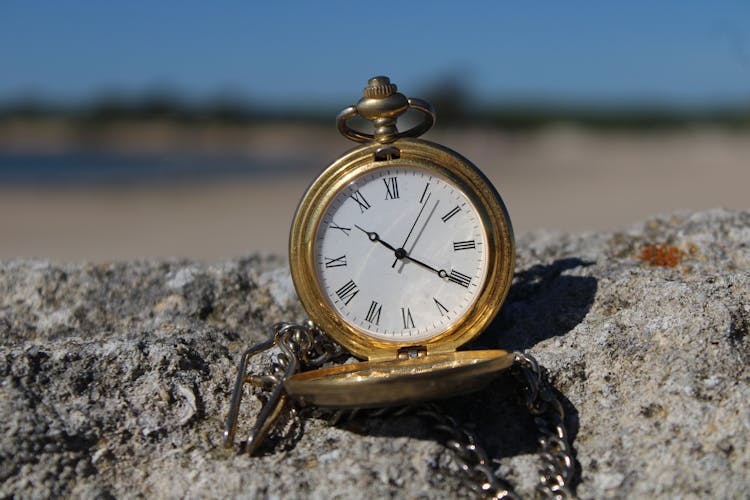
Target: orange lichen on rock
x=665, y=255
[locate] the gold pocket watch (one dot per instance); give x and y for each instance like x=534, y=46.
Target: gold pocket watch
x=401, y=251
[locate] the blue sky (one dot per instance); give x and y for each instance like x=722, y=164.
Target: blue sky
x=679, y=53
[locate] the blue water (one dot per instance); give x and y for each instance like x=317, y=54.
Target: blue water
x=111, y=168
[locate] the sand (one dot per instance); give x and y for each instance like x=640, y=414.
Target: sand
x=560, y=178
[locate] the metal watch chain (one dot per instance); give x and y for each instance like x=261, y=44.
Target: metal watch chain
x=305, y=347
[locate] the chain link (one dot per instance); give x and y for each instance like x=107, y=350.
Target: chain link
x=559, y=470
x=305, y=347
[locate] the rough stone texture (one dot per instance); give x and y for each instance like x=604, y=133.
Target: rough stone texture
x=116, y=378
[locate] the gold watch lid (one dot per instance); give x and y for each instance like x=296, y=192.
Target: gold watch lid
x=399, y=381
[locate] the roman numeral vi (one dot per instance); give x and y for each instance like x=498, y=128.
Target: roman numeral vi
x=406, y=318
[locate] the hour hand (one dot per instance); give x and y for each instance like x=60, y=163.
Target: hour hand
x=373, y=236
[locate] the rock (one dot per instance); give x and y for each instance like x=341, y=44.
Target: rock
x=116, y=378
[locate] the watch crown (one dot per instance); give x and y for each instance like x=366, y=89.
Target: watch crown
x=382, y=104
x=379, y=87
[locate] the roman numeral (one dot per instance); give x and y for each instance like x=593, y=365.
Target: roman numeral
x=391, y=188
x=347, y=292
x=421, y=199
x=337, y=262
x=441, y=308
x=463, y=245
x=406, y=318
x=459, y=278
x=361, y=201
x=344, y=230
x=450, y=214
x=373, y=314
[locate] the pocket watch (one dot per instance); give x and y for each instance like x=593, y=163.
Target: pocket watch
x=401, y=251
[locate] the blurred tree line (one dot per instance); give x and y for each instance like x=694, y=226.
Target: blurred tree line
x=451, y=99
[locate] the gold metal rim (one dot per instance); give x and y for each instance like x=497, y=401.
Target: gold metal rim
x=421, y=154
x=392, y=382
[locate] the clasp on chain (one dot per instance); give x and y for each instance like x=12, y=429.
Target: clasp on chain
x=382, y=104
x=277, y=400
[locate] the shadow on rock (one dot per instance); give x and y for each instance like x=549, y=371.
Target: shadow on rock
x=542, y=303
x=497, y=415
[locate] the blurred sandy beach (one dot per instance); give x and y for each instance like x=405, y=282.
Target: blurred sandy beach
x=561, y=177
x=165, y=129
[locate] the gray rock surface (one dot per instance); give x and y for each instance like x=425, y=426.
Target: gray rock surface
x=116, y=378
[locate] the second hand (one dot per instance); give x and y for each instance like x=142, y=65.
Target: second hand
x=413, y=225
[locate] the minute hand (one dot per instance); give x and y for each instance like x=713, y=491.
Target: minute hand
x=440, y=272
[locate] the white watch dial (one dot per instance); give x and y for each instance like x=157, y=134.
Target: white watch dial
x=401, y=253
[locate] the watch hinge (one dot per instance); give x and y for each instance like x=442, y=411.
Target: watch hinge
x=417, y=351
x=387, y=153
